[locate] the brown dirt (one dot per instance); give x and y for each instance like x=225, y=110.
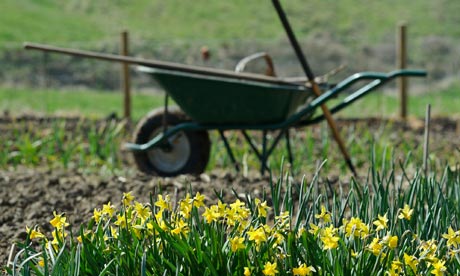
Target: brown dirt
x=28, y=196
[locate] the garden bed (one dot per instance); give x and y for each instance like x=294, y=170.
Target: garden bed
x=29, y=195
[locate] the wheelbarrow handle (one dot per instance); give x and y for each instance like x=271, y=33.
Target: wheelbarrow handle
x=377, y=79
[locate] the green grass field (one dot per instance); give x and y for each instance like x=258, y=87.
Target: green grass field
x=98, y=104
x=85, y=22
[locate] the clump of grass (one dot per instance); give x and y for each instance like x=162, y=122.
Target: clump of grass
x=387, y=225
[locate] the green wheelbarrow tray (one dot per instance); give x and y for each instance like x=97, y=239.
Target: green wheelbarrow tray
x=228, y=103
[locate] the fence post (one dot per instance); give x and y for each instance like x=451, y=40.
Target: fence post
x=125, y=78
x=401, y=61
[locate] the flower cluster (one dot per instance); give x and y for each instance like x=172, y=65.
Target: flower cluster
x=262, y=239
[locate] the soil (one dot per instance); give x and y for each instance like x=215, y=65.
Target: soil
x=28, y=196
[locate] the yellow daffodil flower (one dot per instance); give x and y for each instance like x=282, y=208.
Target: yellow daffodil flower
x=127, y=198
x=163, y=204
x=257, y=235
x=34, y=234
x=325, y=216
x=198, y=200
x=59, y=221
x=452, y=237
x=391, y=241
x=329, y=238
x=355, y=227
x=97, y=215
x=303, y=270
x=314, y=229
x=439, y=268
x=247, y=271
x=375, y=246
x=381, y=222
x=262, y=208
x=270, y=269
x=411, y=261
x=211, y=214
x=396, y=268
x=237, y=243
x=108, y=209
x=405, y=213
x=143, y=212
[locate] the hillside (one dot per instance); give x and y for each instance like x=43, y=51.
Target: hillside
x=354, y=32
x=81, y=21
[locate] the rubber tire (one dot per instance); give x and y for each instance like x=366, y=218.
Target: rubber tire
x=200, y=145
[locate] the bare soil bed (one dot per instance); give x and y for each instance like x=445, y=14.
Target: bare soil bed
x=28, y=196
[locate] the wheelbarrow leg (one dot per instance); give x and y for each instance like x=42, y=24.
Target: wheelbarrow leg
x=229, y=150
x=261, y=157
x=264, y=152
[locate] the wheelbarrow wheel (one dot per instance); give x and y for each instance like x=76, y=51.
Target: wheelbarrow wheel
x=186, y=152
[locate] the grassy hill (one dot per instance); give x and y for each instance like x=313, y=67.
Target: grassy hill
x=90, y=22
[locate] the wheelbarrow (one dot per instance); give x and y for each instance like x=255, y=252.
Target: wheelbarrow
x=171, y=141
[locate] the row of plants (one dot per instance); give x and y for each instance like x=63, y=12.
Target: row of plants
x=89, y=144
x=68, y=144
x=384, y=225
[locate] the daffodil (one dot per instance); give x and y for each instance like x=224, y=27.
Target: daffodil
x=329, y=238
x=211, y=214
x=237, y=243
x=41, y=262
x=324, y=216
x=127, y=198
x=258, y=235
x=34, y=234
x=181, y=227
x=198, y=200
x=411, y=261
x=439, y=268
x=452, y=237
x=270, y=269
x=396, y=268
x=262, y=208
x=381, y=222
x=108, y=209
x=303, y=270
x=247, y=271
x=59, y=221
x=143, y=212
x=163, y=203
x=405, y=213
x=121, y=221
x=185, y=206
x=375, y=247
x=314, y=229
x=390, y=241
x=355, y=227
x=97, y=215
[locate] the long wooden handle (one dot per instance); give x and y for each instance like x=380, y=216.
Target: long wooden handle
x=158, y=64
x=311, y=79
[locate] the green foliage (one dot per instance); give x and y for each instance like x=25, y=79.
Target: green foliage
x=88, y=145
x=404, y=226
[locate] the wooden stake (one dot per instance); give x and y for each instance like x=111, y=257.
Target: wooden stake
x=426, y=143
x=125, y=78
x=401, y=61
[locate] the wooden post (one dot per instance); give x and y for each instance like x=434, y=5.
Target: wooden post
x=426, y=144
x=125, y=78
x=401, y=60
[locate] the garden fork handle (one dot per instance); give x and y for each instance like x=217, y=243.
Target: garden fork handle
x=311, y=79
